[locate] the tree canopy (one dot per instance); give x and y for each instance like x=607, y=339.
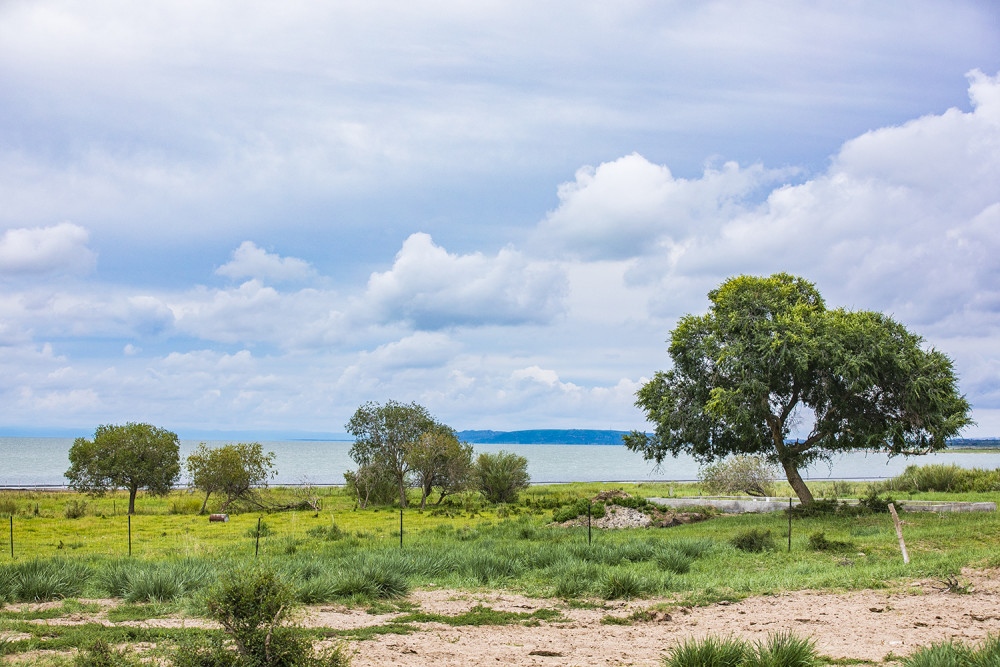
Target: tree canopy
x=768, y=356
x=130, y=456
x=384, y=434
x=234, y=470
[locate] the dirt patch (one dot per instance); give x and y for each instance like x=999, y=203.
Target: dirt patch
x=859, y=625
x=617, y=516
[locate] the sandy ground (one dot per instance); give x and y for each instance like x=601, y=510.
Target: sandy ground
x=865, y=625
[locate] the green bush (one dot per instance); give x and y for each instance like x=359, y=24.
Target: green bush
x=819, y=542
x=253, y=607
x=75, y=509
x=753, y=540
x=578, y=509
x=737, y=475
x=501, y=477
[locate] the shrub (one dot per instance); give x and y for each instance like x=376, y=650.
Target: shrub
x=819, y=542
x=873, y=503
x=501, y=476
x=75, y=509
x=253, y=607
x=578, y=508
x=330, y=533
x=738, y=474
x=101, y=654
x=753, y=540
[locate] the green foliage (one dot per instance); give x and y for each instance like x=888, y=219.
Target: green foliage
x=753, y=540
x=501, y=477
x=253, y=607
x=438, y=460
x=75, y=509
x=780, y=650
x=953, y=654
x=943, y=478
x=767, y=349
x=131, y=457
x=873, y=503
x=738, y=475
x=577, y=509
x=621, y=583
x=384, y=434
x=372, y=484
x=101, y=654
x=40, y=580
x=708, y=652
x=818, y=541
x=234, y=470
x=674, y=560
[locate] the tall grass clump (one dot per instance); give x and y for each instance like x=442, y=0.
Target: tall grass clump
x=674, y=560
x=780, y=650
x=753, y=540
x=783, y=650
x=43, y=580
x=943, y=478
x=953, y=654
x=622, y=583
x=708, y=652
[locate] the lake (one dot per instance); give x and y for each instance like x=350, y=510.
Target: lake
x=42, y=462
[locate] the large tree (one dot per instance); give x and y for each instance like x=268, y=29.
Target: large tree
x=384, y=434
x=768, y=357
x=130, y=456
x=234, y=470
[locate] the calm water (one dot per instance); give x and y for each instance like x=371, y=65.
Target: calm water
x=42, y=461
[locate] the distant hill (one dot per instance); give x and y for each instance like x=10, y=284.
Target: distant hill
x=544, y=436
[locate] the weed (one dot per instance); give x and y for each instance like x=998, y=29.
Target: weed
x=818, y=541
x=101, y=654
x=753, y=540
x=75, y=509
x=708, y=652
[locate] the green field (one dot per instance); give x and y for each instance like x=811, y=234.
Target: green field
x=347, y=555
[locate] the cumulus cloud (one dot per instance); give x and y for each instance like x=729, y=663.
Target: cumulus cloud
x=432, y=288
x=249, y=261
x=34, y=251
x=630, y=207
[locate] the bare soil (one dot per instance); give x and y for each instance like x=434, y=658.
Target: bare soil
x=866, y=625
x=869, y=625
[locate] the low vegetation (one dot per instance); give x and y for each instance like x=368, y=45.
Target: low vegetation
x=349, y=555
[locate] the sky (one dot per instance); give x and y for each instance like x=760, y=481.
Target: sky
x=253, y=217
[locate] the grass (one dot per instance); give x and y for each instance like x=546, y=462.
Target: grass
x=353, y=556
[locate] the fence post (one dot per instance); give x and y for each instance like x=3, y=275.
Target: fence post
x=256, y=549
x=589, y=505
x=789, y=524
x=12, y=537
x=400, y=526
x=130, y=535
x=899, y=533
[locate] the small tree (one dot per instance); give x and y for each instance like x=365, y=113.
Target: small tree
x=384, y=433
x=439, y=459
x=234, y=470
x=372, y=483
x=501, y=476
x=130, y=456
x=738, y=474
x=768, y=356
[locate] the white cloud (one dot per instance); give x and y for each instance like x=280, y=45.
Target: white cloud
x=631, y=207
x=249, y=261
x=59, y=249
x=433, y=289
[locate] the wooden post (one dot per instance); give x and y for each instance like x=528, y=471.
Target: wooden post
x=789, y=525
x=256, y=549
x=589, y=505
x=899, y=532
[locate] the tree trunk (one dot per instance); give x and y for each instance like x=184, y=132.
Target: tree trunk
x=205, y=504
x=131, y=499
x=402, y=493
x=795, y=479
